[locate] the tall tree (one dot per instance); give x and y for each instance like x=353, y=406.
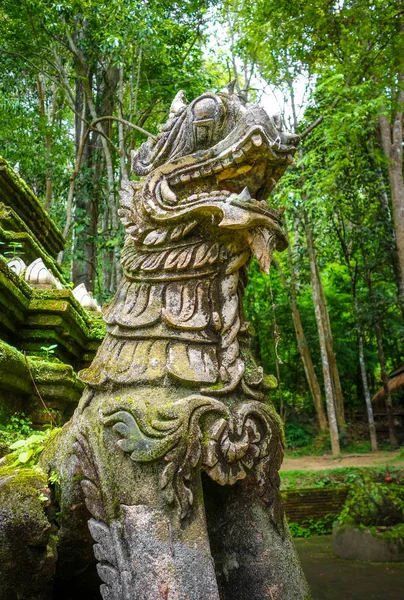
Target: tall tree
x=119, y=58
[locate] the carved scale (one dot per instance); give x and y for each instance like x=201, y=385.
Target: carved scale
x=174, y=390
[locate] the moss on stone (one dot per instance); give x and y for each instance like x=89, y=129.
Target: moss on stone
x=27, y=552
x=391, y=533
x=57, y=382
x=31, y=249
x=97, y=326
x=16, y=193
x=18, y=485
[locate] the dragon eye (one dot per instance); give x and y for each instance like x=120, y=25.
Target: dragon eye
x=207, y=115
x=205, y=111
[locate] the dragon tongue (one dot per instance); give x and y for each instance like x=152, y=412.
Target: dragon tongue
x=167, y=193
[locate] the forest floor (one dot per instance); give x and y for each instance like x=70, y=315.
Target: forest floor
x=332, y=578
x=317, y=463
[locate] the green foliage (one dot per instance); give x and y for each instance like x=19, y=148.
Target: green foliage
x=20, y=424
x=318, y=446
x=396, y=532
x=49, y=351
x=54, y=478
x=26, y=452
x=159, y=48
x=346, y=56
x=15, y=248
x=130, y=59
x=298, y=531
x=370, y=503
x=337, y=477
x=296, y=435
x=312, y=527
x=358, y=447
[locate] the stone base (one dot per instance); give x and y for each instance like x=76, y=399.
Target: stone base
x=28, y=540
x=354, y=544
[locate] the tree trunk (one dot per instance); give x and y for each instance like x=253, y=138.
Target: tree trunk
x=364, y=377
x=330, y=366
x=85, y=213
x=392, y=144
x=329, y=340
x=124, y=172
x=48, y=127
x=385, y=206
x=347, y=253
x=99, y=104
x=304, y=351
x=387, y=395
x=382, y=362
x=319, y=311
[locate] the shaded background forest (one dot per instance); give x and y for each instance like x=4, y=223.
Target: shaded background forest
x=329, y=319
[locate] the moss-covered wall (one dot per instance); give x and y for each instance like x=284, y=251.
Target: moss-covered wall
x=32, y=319
x=17, y=196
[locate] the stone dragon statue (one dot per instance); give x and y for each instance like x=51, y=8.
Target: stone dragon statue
x=175, y=447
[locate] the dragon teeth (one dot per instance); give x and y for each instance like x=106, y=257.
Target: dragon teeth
x=217, y=167
x=247, y=147
x=167, y=192
x=256, y=139
x=238, y=156
x=245, y=195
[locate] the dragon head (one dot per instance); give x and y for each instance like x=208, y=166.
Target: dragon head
x=218, y=159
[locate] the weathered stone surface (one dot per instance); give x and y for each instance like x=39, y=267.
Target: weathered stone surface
x=27, y=214
x=29, y=320
x=254, y=555
x=352, y=543
x=28, y=552
x=174, y=391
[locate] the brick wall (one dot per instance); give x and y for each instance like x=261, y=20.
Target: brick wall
x=314, y=503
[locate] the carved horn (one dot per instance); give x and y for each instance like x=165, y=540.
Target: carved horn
x=277, y=119
x=178, y=104
x=229, y=89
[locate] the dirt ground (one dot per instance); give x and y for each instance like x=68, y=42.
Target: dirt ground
x=314, y=463
x=332, y=578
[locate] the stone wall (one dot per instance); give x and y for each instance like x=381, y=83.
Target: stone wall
x=38, y=309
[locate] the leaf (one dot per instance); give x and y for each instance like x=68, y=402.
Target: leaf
x=33, y=439
x=18, y=444
x=25, y=456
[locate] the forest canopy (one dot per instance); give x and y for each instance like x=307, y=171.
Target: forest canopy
x=83, y=83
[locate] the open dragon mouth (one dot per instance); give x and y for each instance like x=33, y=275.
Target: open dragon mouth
x=247, y=172
x=215, y=158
